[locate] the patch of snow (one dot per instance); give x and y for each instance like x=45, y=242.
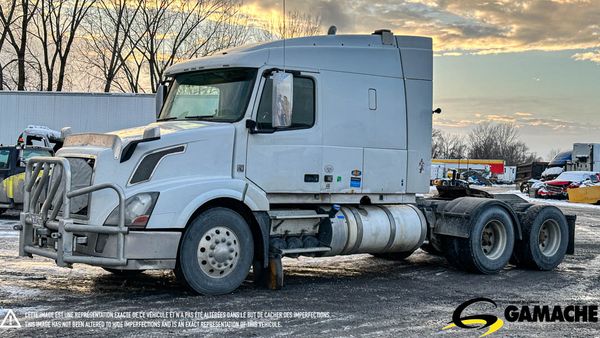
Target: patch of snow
x=558, y=203
x=19, y=292
x=552, y=171
x=9, y=234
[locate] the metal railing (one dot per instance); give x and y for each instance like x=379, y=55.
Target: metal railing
x=42, y=222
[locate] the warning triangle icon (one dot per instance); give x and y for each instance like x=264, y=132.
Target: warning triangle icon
x=10, y=321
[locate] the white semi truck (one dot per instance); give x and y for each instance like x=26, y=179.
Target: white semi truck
x=317, y=147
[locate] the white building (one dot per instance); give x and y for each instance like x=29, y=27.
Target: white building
x=83, y=112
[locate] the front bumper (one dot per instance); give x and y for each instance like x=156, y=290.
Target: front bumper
x=45, y=233
x=144, y=250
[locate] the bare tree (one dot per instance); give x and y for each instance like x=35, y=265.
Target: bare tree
x=499, y=141
x=447, y=146
x=107, y=35
x=174, y=30
x=57, y=24
x=7, y=11
x=295, y=24
x=17, y=33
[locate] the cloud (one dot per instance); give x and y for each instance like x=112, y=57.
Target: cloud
x=468, y=26
x=593, y=56
x=520, y=119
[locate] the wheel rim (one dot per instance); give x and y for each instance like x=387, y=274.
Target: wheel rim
x=493, y=239
x=549, y=238
x=218, y=252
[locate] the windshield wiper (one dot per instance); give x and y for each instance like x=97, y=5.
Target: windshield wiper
x=208, y=118
x=167, y=119
x=199, y=117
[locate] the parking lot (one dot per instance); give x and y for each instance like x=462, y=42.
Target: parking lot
x=340, y=296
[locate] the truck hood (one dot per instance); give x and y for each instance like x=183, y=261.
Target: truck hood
x=166, y=128
x=171, y=132
x=207, y=152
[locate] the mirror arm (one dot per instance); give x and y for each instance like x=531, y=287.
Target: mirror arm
x=253, y=128
x=270, y=71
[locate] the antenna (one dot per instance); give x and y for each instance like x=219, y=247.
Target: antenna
x=284, y=34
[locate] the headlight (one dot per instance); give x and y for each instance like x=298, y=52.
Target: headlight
x=138, y=209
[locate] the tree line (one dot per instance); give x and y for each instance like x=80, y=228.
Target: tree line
x=485, y=141
x=123, y=45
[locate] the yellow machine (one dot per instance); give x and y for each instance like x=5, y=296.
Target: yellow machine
x=589, y=195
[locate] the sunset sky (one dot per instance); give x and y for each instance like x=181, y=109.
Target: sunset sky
x=534, y=62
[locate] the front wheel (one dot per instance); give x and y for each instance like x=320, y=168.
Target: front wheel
x=216, y=252
x=489, y=246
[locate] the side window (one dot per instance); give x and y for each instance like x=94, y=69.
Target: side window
x=4, y=158
x=303, y=111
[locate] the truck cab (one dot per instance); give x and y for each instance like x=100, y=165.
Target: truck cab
x=317, y=146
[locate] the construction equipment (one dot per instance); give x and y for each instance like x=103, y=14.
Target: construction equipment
x=256, y=156
x=34, y=141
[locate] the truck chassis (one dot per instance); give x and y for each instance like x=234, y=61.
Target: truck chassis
x=475, y=231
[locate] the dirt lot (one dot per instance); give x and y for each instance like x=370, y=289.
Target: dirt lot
x=352, y=296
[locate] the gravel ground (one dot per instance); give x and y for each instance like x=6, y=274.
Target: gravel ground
x=356, y=295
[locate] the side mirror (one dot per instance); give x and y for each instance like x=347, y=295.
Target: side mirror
x=161, y=93
x=251, y=125
x=283, y=95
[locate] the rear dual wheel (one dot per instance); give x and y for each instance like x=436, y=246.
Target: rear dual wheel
x=489, y=246
x=545, y=239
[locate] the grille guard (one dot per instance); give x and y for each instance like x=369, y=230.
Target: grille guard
x=40, y=225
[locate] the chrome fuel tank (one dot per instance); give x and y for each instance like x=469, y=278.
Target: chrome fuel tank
x=374, y=229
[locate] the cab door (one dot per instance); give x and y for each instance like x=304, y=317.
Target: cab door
x=287, y=160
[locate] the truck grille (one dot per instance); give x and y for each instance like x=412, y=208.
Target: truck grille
x=82, y=170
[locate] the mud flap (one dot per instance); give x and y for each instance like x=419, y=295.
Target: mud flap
x=455, y=218
x=270, y=277
x=571, y=222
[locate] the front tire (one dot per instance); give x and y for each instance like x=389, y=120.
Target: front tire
x=489, y=246
x=216, y=252
x=545, y=239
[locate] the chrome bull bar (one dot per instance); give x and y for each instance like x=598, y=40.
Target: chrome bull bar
x=45, y=232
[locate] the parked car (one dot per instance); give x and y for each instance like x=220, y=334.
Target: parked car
x=557, y=188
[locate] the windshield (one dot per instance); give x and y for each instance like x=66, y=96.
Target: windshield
x=577, y=177
x=216, y=95
x=29, y=153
